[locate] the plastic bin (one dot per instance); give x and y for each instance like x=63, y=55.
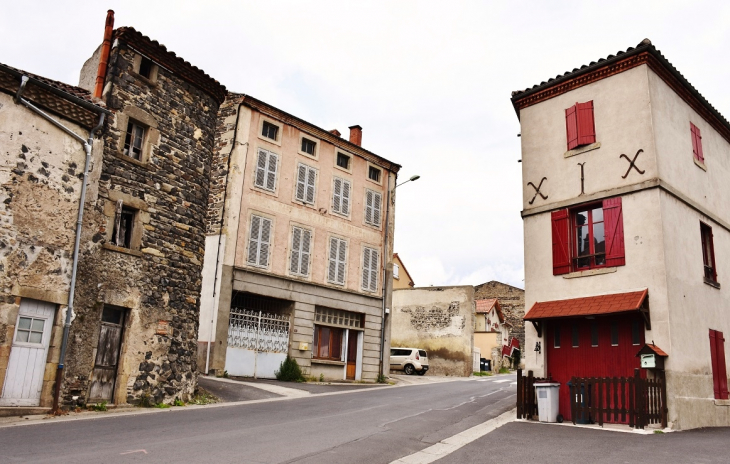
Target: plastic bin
x=547, y=401
x=485, y=364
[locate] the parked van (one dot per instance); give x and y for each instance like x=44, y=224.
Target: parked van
x=409, y=360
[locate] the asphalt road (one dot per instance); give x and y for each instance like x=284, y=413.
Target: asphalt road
x=374, y=425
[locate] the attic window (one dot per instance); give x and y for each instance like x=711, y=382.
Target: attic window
x=374, y=174
x=145, y=68
x=343, y=161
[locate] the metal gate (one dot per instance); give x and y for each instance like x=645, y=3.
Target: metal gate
x=257, y=343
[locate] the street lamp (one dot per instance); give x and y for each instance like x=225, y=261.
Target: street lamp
x=416, y=177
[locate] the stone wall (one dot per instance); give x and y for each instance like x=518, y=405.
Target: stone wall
x=158, y=279
x=512, y=301
x=439, y=320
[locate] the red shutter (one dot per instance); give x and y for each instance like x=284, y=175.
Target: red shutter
x=698, y=137
x=561, y=243
x=586, y=126
x=571, y=126
x=693, y=132
x=719, y=371
x=614, y=229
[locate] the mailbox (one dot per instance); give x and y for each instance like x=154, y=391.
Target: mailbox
x=648, y=361
x=303, y=346
x=652, y=357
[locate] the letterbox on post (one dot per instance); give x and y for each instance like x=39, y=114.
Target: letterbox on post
x=652, y=357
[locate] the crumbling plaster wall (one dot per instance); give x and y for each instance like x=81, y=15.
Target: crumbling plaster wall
x=159, y=281
x=439, y=320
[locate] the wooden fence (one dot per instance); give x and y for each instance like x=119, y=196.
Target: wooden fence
x=633, y=400
x=526, y=399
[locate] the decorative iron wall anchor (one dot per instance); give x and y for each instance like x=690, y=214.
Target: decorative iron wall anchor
x=632, y=164
x=537, y=190
x=582, y=178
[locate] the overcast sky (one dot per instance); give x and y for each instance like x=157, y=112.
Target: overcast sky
x=429, y=82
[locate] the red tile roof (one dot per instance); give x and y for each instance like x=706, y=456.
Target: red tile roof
x=656, y=350
x=588, y=306
x=486, y=305
x=74, y=91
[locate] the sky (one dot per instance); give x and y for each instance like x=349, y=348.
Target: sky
x=429, y=82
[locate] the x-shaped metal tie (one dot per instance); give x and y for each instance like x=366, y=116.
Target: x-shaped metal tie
x=537, y=190
x=632, y=164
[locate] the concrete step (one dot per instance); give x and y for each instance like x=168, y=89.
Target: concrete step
x=14, y=411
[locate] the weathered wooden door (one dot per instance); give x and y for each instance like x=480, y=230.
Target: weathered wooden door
x=28, y=354
x=351, y=355
x=107, y=355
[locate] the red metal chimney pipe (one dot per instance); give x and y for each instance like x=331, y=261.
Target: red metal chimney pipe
x=106, y=46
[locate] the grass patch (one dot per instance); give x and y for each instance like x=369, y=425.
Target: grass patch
x=178, y=402
x=503, y=370
x=482, y=374
x=161, y=406
x=203, y=396
x=100, y=406
x=658, y=431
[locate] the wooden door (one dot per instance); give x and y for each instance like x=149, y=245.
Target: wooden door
x=351, y=355
x=104, y=375
x=28, y=354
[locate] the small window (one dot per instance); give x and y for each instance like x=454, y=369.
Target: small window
x=308, y=146
x=374, y=174
x=556, y=336
x=396, y=271
x=699, y=156
x=614, y=333
x=145, y=67
x=123, y=226
x=373, y=206
x=343, y=161
x=30, y=330
x=576, y=336
x=134, y=140
x=635, y=333
x=270, y=131
x=708, y=253
x=594, y=333
x=111, y=315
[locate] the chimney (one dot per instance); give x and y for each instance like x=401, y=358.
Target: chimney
x=336, y=132
x=104, y=57
x=356, y=135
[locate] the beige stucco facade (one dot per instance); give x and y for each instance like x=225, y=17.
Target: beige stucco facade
x=636, y=111
x=401, y=278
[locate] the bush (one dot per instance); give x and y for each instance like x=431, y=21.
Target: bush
x=289, y=371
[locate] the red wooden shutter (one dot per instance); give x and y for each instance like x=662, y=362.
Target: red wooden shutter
x=693, y=132
x=561, y=243
x=614, y=230
x=571, y=126
x=586, y=126
x=698, y=137
x=719, y=371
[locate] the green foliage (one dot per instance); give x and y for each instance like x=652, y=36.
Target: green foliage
x=321, y=377
x=658, y=431
x=289, y=371
x=482, y=374
x=162, y=406
x=382, y=378
x=203, y=397
x=99, y=406
x=179, y=402
x=503, y=370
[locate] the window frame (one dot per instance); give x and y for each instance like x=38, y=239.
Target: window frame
x=300, y=259
x=151, y=78
x=372, y=222
x=374, y=168
x=310, y=171
x=708, y=253
x=339, y=213
x=314, y=140
x=589, y=208
x=317, y=341
x=127, y=215
x=259, y=240
x=28, y=343
x=267, y=171
x=127, y=146
x=556, y=336
x=279, y=132
x=349, y=157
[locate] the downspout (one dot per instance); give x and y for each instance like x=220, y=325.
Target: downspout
x=87, y=143
x=385, y=277
x=220, y=236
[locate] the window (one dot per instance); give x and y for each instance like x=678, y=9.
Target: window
x=588, y=237
x=594, y=333
x=134, y=140
x=719, y=368
x=343, y=161
x=696, y=143
x=341, y=196
x=123, y=225
x=556, y=336
x=259, y=241
x=614, y=333
x=579, y=125
x=30, y=330
x=396, y=271
x=374, y=174
x=308, y=146
x=372, y=207
x=337, y=261
x=306, y=183
x=708, y=253
x=145, y=67
x=370, y=270
x=301, y=240
x=576, y=335
x=347, y=319
x=635, y=333
x=266, y=170
x=270, y=131
x=327, y=343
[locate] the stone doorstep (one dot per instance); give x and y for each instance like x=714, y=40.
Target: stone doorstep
x=20, y=411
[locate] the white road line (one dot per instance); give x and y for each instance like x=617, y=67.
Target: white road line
x=484, y=380
x=513, y=383
x=451, y=444
x=502, y=380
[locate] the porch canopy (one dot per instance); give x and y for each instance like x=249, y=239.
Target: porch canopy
x=600, y=305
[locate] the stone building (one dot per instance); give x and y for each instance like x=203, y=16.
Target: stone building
x=137, y=298
x=511, y=301
x=300, y=222
x=41, y=174
x=440, y=320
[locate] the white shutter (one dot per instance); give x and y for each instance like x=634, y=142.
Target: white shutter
x=373, y=270
x=369, y=206
x=301, y=182
x=253, y=241
x=337, y=261
x=264, y=242
x=260, y=180
x=370, y=270
x=271, y=172
x=259, y=241
x=311, y=182
x=337, y=196
x=305, y=252
x=345, y=197
x=341, y=262
x=377, y=199
x=332, y=269
x=296, y=244
x=365, y=268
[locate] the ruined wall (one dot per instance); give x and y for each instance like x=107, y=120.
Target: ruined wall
x=157, y=280
x=512, y=301
x=439, y=320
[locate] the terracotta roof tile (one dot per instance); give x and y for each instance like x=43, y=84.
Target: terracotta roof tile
x=587, y=306
x=77, y=92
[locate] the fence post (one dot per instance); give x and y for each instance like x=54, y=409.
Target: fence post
x=639, y=401
x=520, y=395
x=664, y=406
x=573, y=400
x=530, y=396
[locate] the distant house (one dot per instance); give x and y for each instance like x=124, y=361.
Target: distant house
x=491, y=329
x=401, y=277
x=511, y=302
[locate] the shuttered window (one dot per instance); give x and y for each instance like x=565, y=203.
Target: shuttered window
x=719, y=368
x=259, y=241
x=708, y=253
x=373, y=201
x=301, y=240
x=266, y=170
x=369, y=270
x=696, y=143
x=588, y=237
x=579, y=125
x=306, y=183
x=341, y=196
x=337, y=261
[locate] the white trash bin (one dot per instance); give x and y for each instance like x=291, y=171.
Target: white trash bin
x=547, y=401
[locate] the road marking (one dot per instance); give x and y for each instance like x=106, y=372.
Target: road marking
x=484, y=380
x=451, y=444
x=513, y=383
x=503, y=380
x=135, y=451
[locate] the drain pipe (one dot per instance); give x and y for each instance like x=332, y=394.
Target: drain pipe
x=385, y=278
x=87, y=143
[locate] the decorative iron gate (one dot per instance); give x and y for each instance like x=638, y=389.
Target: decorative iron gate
x=257, y=343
